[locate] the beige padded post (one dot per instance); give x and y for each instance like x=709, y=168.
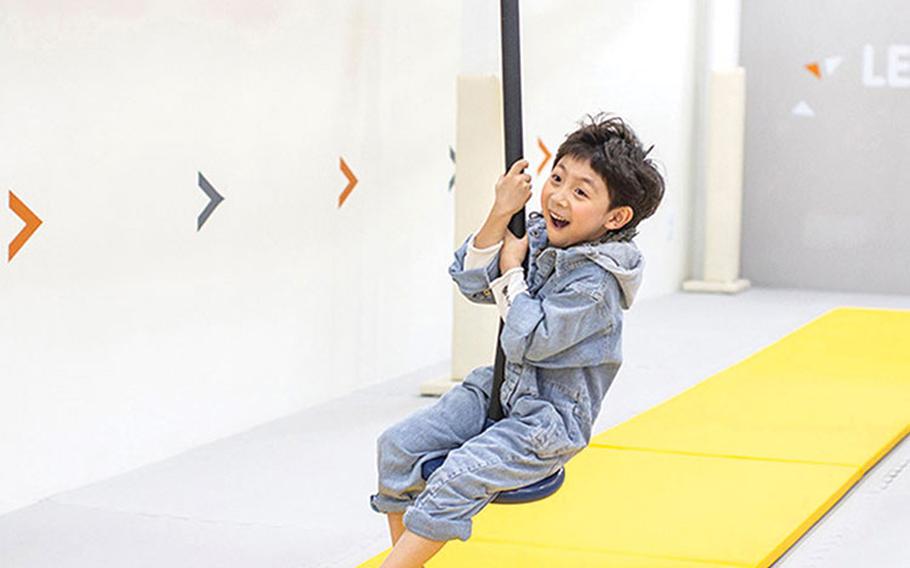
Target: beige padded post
x=479, y=158
x=724, y=191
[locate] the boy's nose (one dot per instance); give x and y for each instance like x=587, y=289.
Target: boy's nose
x=560, y=198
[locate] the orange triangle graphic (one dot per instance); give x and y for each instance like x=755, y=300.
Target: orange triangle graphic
x=814, y=69
x=352, y=181
x=546, y=155
x=32, y=222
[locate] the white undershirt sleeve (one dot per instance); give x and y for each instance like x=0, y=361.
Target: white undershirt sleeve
x=479, y=258
x=507, y=287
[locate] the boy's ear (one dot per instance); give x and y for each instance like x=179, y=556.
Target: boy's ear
x=618, y=217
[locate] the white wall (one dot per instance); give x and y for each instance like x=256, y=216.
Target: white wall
x=723, y=27
x=127, y=336
x=633, y=58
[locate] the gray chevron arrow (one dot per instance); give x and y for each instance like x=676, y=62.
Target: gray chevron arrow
x=214, y=199
x=452, y=157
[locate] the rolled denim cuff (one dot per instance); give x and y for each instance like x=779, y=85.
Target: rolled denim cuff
x=474, y=283
x=383, y=504
x=440, y=530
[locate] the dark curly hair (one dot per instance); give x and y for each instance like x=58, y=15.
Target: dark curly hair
x=616, y=154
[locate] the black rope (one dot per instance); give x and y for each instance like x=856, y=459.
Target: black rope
x=511, y=99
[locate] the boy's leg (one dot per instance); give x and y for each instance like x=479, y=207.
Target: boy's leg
x=430, y=432
x=512, y=453
x=411, y=551
x=396, y=526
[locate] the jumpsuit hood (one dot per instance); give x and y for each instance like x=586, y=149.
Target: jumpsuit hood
x=625, y=262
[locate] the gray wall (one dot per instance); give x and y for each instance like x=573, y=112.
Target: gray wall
x=826, y=201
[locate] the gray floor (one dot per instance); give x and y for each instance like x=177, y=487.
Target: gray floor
x=294, y=492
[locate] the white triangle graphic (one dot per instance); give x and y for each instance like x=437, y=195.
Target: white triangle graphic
x=803, y=109
x=831, y=63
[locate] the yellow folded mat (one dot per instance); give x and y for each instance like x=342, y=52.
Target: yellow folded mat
x=837, y=390
x=730, y=472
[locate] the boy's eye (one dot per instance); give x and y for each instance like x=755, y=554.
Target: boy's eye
x=579, y=190
x=556, y=177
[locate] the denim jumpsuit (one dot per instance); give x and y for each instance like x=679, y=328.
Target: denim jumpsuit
x=562, y=342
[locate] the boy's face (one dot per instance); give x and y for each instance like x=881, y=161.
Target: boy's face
x=575, y=193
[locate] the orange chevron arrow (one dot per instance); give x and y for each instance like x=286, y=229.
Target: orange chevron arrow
x=546, y=155
x=32, y=222
x=814, y=69
x=352, y=181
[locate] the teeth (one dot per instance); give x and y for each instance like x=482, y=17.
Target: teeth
x=557, y=217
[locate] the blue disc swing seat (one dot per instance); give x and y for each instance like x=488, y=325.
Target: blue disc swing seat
x=511, y=89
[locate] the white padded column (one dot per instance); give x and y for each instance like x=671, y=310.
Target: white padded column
x=479, y=158
x=724, y=181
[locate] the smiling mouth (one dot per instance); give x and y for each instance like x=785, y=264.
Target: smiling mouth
x=557, y=221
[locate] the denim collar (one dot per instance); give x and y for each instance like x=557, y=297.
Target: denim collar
x=549, y=256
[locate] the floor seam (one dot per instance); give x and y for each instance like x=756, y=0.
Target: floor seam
x=183, y=518
x=611, y=551
x=725, y=456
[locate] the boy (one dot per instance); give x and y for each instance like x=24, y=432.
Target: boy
x=561, y=337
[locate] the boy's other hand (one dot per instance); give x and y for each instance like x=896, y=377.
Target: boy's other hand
x=513, y=251
x=513, y=189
